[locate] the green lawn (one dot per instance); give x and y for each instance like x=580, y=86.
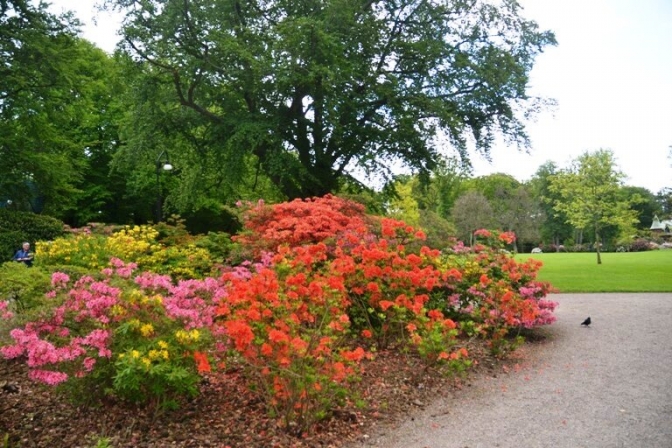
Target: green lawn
x=619, y=272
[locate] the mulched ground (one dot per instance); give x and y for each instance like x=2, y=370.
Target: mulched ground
x=224, y=414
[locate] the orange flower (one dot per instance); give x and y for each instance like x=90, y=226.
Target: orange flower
x=385, y=304
x=202, y=363
x=435, y=314
x=355, y=355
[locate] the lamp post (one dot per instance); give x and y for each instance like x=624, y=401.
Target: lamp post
x=162, y=164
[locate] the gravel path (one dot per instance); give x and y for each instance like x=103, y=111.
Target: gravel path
x=609, y=385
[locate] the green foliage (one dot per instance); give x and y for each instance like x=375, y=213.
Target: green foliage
x=472, y=211
x=589, y=195
x=554, y=229
x=56, y=119
x=299, y=95
x=24, y=287
x=17, y=227
x=646, y=208
x=439, y=231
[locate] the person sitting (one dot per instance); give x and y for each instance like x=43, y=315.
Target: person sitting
x=24, y=255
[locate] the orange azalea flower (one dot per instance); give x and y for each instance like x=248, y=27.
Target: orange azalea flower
x=367, y=334
x=484, y=280
x=278, y=336
x=435, y=314
x=508, y=295
x=372, y=287
x=385, y=304
x=450, y=324
x=507, y=237
x=355, y=355
x=202, y=363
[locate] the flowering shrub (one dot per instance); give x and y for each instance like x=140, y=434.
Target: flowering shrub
x=143, y=338
x=325, y=286
x=494, y=290
x=288, y=325
x=299, y=222
x=80, y=249
x=135, y=244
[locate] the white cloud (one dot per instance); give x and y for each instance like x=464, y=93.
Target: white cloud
x=611, y=74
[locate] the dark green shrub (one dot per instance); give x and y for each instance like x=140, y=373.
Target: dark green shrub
x=10, y=242
x=17, y=227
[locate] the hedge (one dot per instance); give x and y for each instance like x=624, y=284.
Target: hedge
x=17, y=227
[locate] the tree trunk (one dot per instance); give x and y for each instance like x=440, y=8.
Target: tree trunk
x=597, y=246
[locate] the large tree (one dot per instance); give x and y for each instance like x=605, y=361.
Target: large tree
x=319, y=90
x=472, y=212
x=56, y=124
x=589, y=194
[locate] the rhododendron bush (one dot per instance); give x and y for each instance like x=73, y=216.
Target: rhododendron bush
x=324, y=287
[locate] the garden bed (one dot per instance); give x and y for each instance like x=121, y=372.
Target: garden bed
x=224, y=414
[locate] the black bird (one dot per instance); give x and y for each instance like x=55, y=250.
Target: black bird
x=586, y=322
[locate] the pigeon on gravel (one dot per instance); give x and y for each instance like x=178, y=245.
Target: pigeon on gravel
x=586, y=322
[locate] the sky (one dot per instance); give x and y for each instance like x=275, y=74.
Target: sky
x=610, y=74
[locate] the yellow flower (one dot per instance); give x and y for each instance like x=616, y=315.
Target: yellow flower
x=146, y=330
x=164, y=354
x=117, y=310
x=182, y=336
x=146, y=362
x=163, y=345
x=153, y=354
x=194, y=335
x=135, y=354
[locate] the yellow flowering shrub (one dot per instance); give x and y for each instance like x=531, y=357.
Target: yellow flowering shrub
x=131, y=244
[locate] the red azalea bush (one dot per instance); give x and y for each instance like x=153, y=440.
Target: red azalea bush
x=299, y=222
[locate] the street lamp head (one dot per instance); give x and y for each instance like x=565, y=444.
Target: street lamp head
x=167, y=166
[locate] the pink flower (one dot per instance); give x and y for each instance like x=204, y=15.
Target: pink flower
x=4, y=312
x=59, y=279
x=48, y=377
x=12, y=351
x=89, y=363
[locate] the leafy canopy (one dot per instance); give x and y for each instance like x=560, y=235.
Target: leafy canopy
x=319, y=90
x=589, y=195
